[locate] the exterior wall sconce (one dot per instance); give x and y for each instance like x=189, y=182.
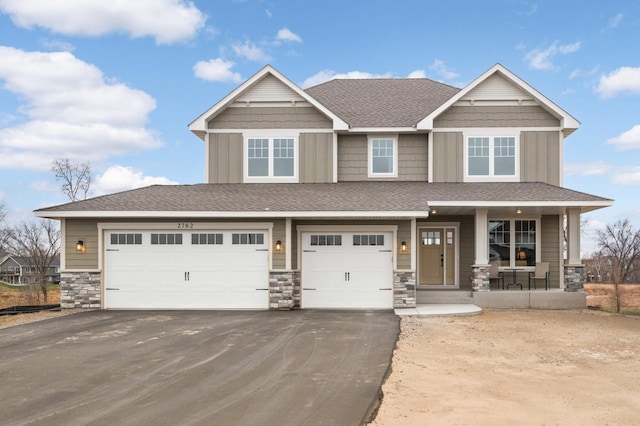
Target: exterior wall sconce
x=434, y=211
x=278, y=245
x=403, y=247
x=80, y=246
x=518, y=211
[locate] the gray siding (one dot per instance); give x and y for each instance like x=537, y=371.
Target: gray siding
x=550, y=250
x=495, y=116
x=225, y=158
x=270, y=118
x=404, y=234
x=316, y=157
x=448, y=151
x=87, y=231
x=540, y=157
x=279, y=233
x=353, y=158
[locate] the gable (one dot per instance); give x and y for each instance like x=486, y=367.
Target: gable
x=496, y=87
x=269, y=89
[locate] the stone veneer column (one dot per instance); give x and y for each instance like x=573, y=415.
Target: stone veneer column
x=480, y=277
x=80, y=290
x=284, y=290
x=573, y=278
x=404, y=289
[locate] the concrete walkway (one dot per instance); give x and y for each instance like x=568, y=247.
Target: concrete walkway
x=439, y=310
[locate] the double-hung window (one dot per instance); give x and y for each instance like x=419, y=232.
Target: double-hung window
x=491, y=158
x=514, y=242
x=383, y=156
x=271, y=159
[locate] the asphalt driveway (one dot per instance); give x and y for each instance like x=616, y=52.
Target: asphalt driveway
x=196, y=367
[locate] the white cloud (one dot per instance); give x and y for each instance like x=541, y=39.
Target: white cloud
x=442, y=70
x=598, y=168
x=285, y=34
x=615, y=21
x=417, y=74
x=629, y=176
x=168, y=21
x=53, y=44
x=251, y=52
x=627, y=140
x=541, y=59
x=327, y=75
x=69, y=110
x=624, y=79
x=216, y=69
x=120, y=178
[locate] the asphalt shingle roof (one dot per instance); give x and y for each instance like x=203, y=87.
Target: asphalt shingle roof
x=318, y=197
x=391, y=102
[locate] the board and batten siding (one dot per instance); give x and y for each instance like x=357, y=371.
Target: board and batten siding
x=353, y=158
x=87, y=231
x=225, y=158
x=270, y=118
x=550, y=250
x=448, y=152
x=495, y=116
x=316, y=157
x=540, y=157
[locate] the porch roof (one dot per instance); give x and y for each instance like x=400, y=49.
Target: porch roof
x=336, y=200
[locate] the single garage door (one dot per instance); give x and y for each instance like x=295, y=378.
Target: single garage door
x=186, y=270
x=347, y=270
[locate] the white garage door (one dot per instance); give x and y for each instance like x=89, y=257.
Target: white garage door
x=347, y=270
x=186, y=270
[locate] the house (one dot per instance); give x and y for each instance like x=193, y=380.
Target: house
x=20, y=270
x=350, y=194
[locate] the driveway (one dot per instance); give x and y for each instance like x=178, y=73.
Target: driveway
x=196, y=367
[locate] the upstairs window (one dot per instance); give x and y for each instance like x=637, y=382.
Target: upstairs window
x=383, y=157
x=271, y=159
x=491, y=158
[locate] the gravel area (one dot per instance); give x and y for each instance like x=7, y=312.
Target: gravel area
x=18, y=319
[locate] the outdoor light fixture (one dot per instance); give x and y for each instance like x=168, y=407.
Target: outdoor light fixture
x=518, y=211
x=278, y=245
x=434, y=211
x=403, y=246
x=80, y=245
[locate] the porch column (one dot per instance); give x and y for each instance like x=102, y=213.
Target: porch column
x=480, y=268
x=573, y=268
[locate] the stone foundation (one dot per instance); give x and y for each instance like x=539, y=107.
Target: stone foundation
x=80, y=290
x=480, y=277
x=284, y=290
x=573, y=277
x=404, y=289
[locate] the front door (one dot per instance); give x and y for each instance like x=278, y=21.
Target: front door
x=437, y=256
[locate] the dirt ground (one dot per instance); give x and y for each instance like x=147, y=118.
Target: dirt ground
x=515, y=367
x=18, y=296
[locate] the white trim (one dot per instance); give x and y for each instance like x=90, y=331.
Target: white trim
x=231, y=214
x=491, y=177
x=480, y=203
x=495, y=131
x=561, y=154
x=456, y=256
x=481, y=223
x=63, y=244
x=567, y=121
x=561, y=251
x=370, y=172
x=270, y=104
x=382, y=129
x=206, y=157
x=179, y=226
x=335, y=157
x=269, y=131
x=200, y=123
x=288, y=246
x=270, y=136
x=512, y=237
x=430, y=157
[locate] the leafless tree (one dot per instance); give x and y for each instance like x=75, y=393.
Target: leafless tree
x=621, y=243
x=75, y=178
x=39, y=244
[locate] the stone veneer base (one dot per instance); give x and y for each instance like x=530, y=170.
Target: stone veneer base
x=480, y=277
x=284, y=290
x=573, y=277
x=404, y=289
x=80, y=290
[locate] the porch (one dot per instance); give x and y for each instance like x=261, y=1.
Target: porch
x=513, y=298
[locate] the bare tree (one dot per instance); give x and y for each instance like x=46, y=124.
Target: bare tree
x=39, y=244
x=621, y=243
x=75, y=178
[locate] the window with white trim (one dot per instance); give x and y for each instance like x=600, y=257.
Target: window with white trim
x=271, y=159
x=383, y=157
x=491, y=158
x=513, y=242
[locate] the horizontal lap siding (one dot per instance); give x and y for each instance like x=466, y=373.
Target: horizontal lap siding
x=550, y=250
x=225, y=158
x=495, y=116
x=448, y=157
x=279, y=233
x=540, y=157
x=404, y=234
x=316, y=157
x=270, y=118
x=87, y=231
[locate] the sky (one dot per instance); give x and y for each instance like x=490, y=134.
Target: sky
x=115, y=83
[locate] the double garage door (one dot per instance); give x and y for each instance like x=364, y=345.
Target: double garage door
x=186, y=270
x=347, y=270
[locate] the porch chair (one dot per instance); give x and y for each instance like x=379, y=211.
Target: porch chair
x=495, y=275
x=541, y=273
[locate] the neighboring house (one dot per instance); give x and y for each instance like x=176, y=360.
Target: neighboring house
x=349, y=194
x=19, y=270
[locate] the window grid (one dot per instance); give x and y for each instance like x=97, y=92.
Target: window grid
x=248, y=238
x=368, y=240
x=208, y=239
x=491, y=156
x=126, y=239
x=326, y=240
x=166, y=239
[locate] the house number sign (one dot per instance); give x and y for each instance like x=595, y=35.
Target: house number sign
x=185, y=225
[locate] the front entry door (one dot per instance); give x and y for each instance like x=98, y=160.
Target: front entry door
x=437, y=256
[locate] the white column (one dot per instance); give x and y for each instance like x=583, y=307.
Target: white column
x=573, y=237
x=482, y=242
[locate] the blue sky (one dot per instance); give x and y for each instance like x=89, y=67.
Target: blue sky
x=116, y=82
